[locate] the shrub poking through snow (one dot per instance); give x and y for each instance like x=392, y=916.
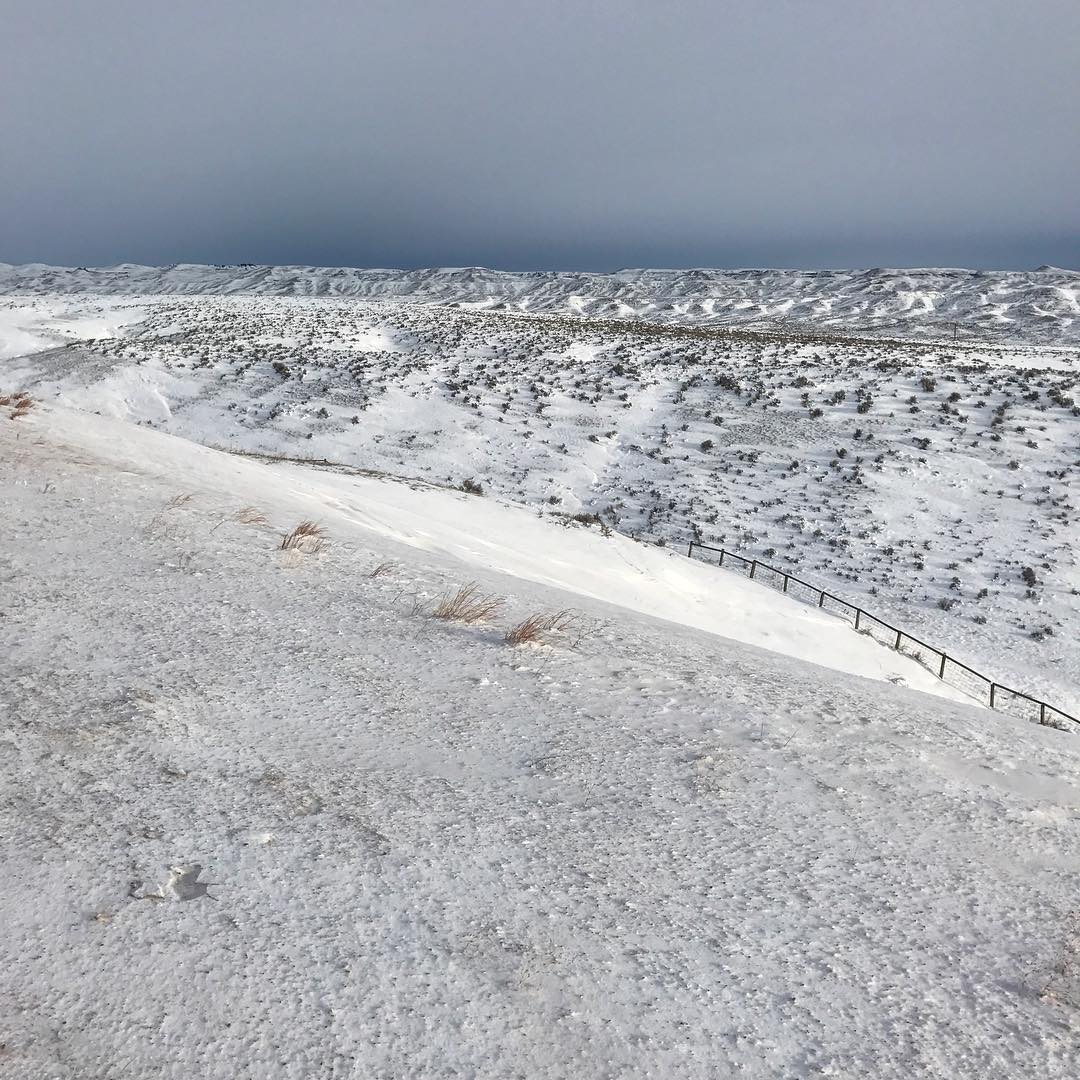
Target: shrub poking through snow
x=382, y=569
x=536, y=629
x=250, y=515
x=468, y=605
x=307, y=537
x=20, y=404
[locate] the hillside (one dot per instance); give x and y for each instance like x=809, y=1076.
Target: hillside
x=263, y=814
x=934, y=484
x=1036, y=306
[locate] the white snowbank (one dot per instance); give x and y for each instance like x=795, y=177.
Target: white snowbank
x=489, y=534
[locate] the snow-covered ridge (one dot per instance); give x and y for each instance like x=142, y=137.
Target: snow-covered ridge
x=1040, y=305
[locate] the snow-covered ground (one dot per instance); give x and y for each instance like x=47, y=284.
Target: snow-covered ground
x=262, y=815
x=936, y=485
x=1038, y=306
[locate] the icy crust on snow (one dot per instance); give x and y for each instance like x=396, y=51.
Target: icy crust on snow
x=1036, y=305
x=260, y=819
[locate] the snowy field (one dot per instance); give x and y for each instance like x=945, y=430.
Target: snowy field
x=263, y=813
x=934, y=484
x=1035, y=306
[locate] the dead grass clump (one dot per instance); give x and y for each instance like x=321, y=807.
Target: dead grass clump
x=250, y=515
x=20, y=404
x=308, y=537
x=1061, y=983
x=382, y=569
x=468, y=605
x=536, y=629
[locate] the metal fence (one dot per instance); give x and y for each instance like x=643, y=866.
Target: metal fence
x=945, y=667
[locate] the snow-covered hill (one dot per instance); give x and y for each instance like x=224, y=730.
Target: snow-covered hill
x=1039, y=306
x=936, y=485
x=261, y=814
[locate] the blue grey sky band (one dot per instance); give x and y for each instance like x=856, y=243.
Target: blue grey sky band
x=521, y=134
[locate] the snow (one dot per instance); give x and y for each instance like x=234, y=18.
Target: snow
x=262, y=814
x=1037, y=306
x=918, y=481
x=30, y=324
x=260, y=817
x=483, y=533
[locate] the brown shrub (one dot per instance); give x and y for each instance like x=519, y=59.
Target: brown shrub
x=468, y=605
x=308, y=537
x=250, y=515
x=20, y=404
x=536, y=629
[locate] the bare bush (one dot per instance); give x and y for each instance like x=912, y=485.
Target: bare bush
x=308, y=537
x=538, y=628
x=1060, y=984
x=20, y=404
x=468, y=605
x=250, y=515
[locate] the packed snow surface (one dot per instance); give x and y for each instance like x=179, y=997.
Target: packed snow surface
x=262, y=815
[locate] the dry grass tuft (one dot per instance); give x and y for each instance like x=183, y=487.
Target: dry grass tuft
x=20, y=404
x=382, y=569
x=250, y=515
x=536, y=629
x=1061, y=983
x=468, y=605
x=308, y=537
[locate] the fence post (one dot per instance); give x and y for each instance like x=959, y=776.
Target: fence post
x=1042, y=712
x=787, y=578
x=858, y=614
x=993, y=687
x=821, y=599
x=690, y=550
x=753, y=569
x=722, y=554
x=941, y=670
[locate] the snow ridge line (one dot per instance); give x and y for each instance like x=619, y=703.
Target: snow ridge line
x=1047, y=713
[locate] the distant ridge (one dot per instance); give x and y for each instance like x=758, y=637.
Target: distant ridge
x=1037, y=306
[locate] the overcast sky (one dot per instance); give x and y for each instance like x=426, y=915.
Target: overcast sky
x=520, y=134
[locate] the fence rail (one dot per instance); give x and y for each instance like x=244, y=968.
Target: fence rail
x=947, y=668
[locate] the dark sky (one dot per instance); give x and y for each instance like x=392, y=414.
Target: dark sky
x=549, y=134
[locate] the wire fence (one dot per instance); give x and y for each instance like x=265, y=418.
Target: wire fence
x=945, y=667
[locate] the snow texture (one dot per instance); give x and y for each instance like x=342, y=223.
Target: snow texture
x=263, y=816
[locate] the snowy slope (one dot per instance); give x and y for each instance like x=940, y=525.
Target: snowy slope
x=483, y=534
x=1040, y=305
x=927, y=483
x=260, y=817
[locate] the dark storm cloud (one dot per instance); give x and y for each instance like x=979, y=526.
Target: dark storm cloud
x=541, y=134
